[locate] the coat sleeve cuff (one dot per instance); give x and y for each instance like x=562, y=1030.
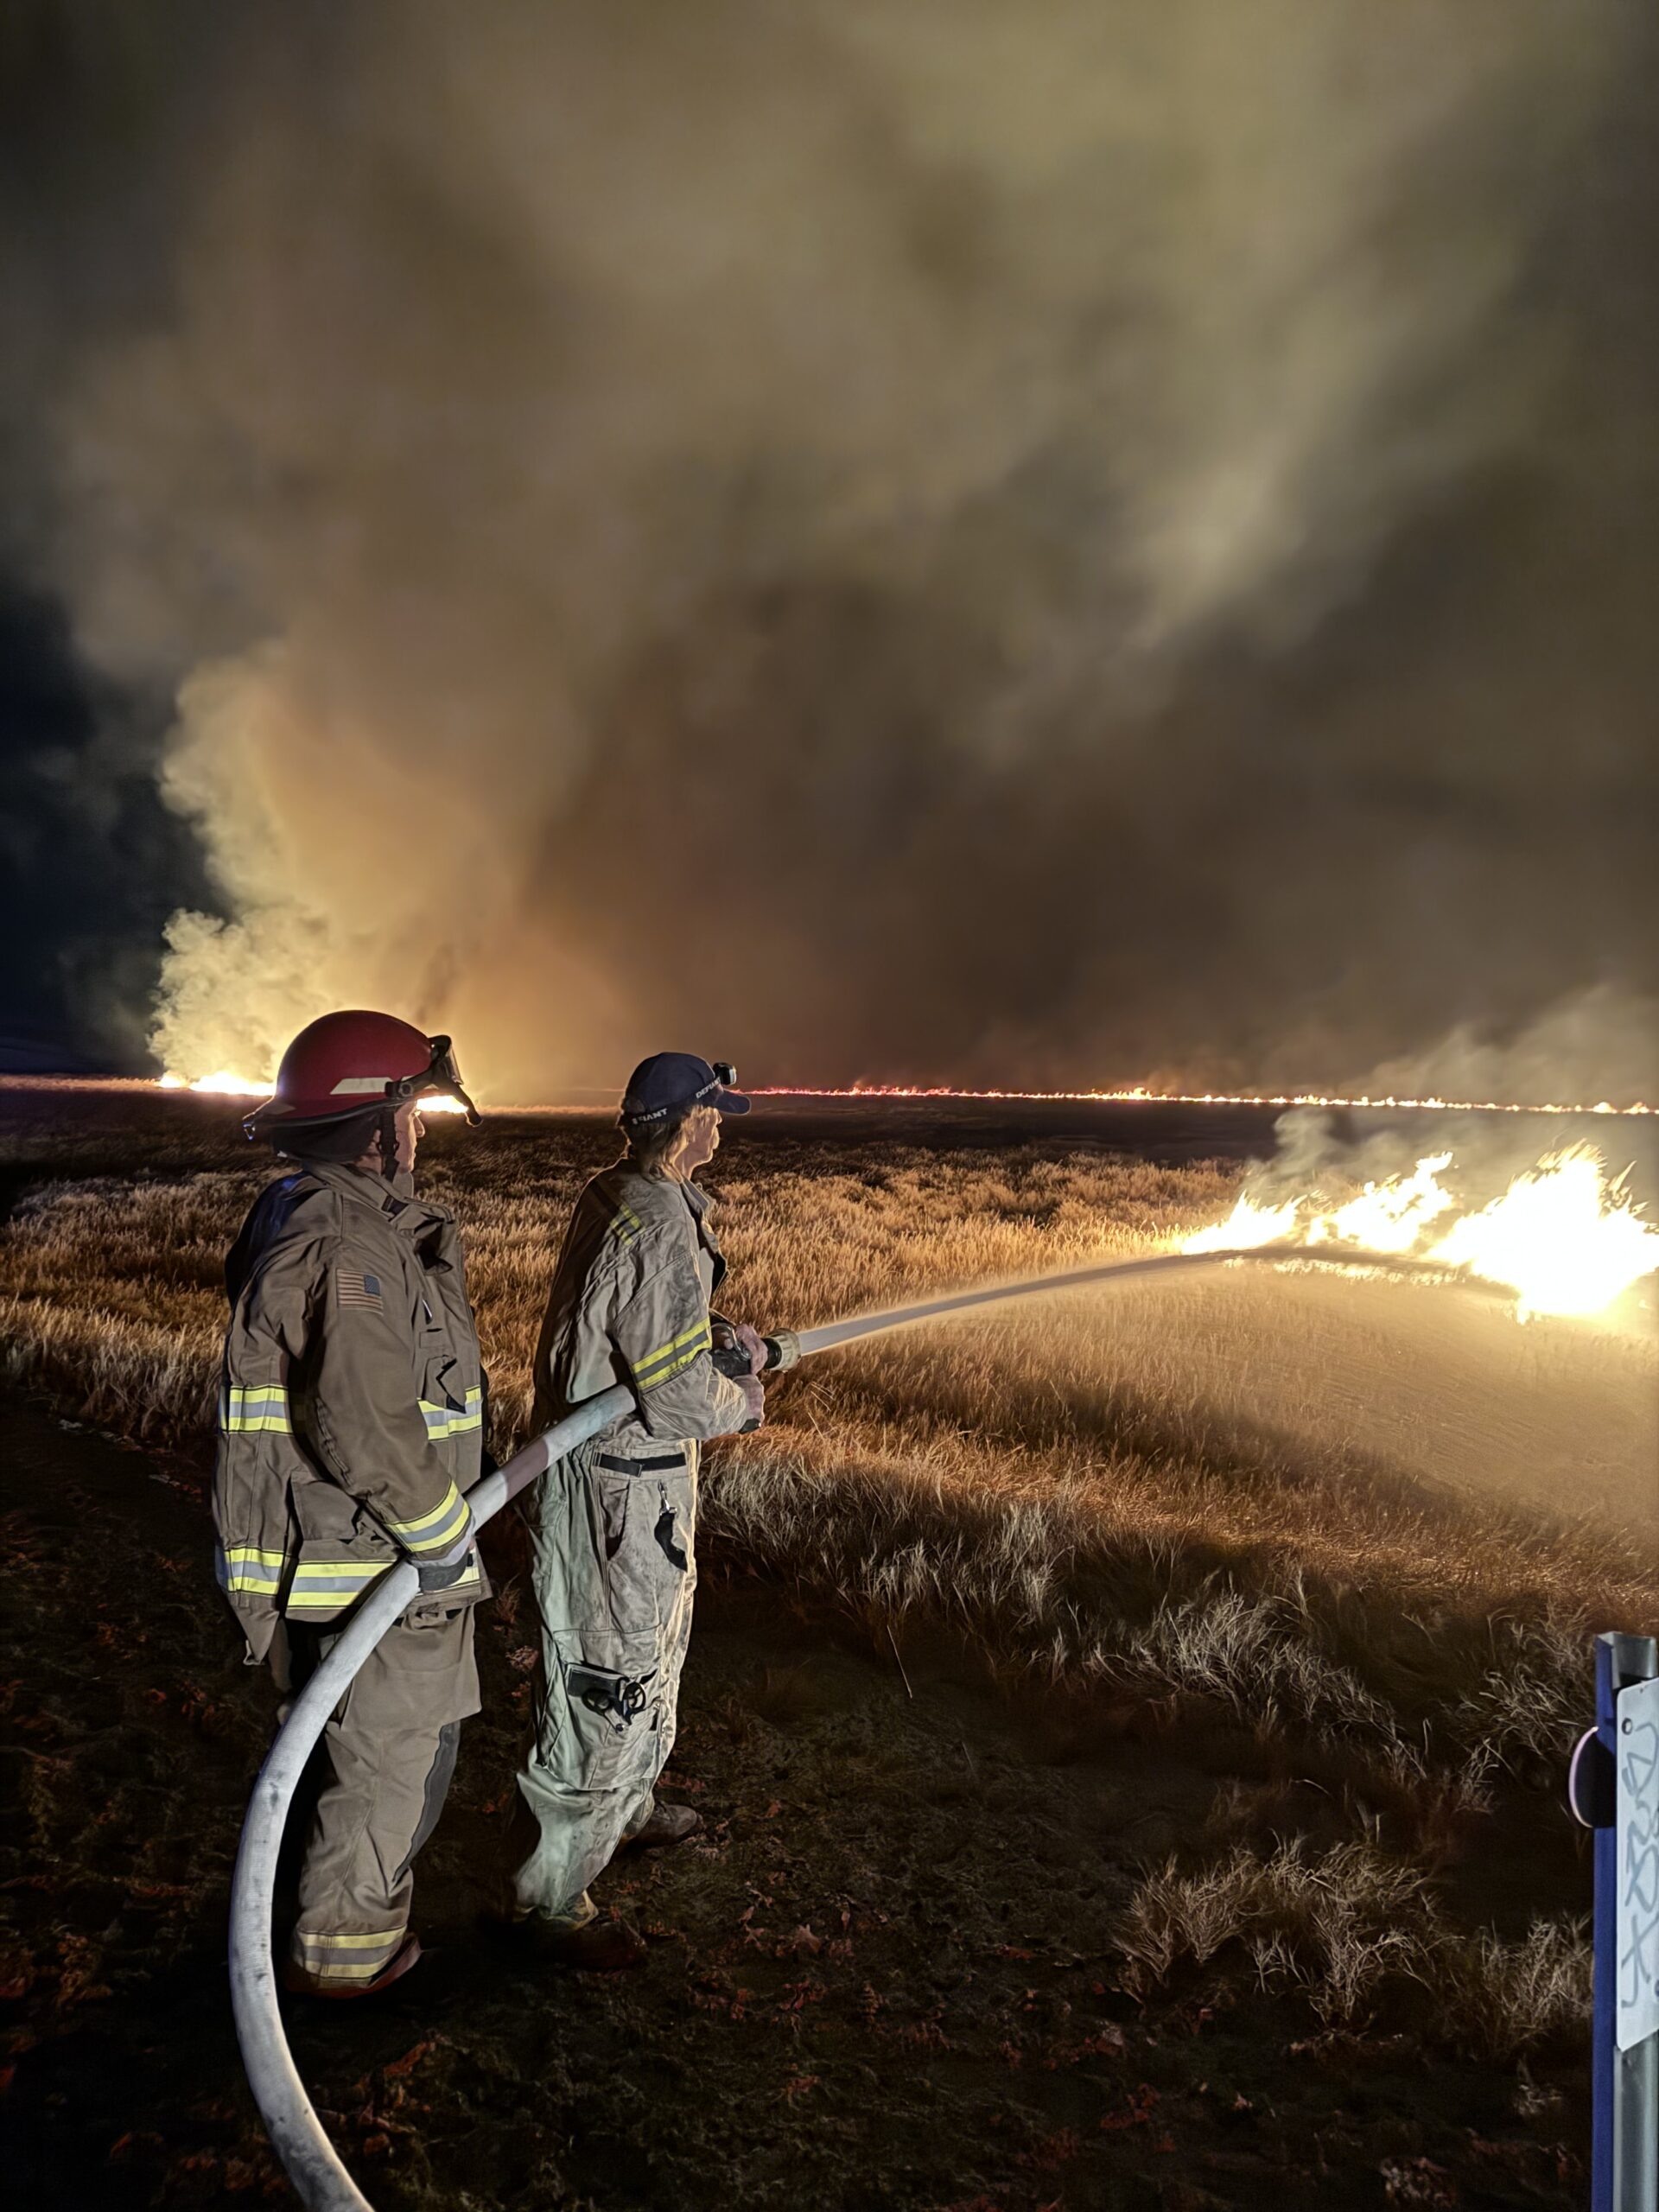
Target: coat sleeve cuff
x=448, y=1524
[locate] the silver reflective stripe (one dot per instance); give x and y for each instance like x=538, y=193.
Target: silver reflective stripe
x=441, y=1533
x=335, y=1577
x=434, y=1530
x=259, y=1408
x=453, y=1421
x=330, y=1585
x=243, y=1568
x=346, y=1958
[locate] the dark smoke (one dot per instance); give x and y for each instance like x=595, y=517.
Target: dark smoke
x=1071, y=543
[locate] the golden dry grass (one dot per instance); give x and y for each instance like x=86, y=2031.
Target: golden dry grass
x=1085, y=1486
x=1348, y=1927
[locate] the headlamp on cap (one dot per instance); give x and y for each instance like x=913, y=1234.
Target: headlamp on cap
x=673, y=1082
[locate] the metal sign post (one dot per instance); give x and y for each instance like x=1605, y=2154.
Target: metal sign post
x=1613, y=1788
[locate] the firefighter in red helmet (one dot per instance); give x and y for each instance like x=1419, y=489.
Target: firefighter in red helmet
x=351, y=1426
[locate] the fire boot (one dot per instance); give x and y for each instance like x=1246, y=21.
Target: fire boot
x=667, y=1824
x=298, y=1983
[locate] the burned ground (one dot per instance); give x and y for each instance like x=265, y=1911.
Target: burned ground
x=1109, y=1799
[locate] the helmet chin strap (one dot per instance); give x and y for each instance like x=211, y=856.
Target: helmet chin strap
x=389, y=1142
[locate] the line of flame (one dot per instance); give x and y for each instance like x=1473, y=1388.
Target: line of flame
x=236, y=1086
x=1139, y=1094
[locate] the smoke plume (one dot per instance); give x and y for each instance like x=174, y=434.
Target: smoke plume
x=1066, y=544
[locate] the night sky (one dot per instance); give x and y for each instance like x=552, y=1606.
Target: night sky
x=1052, y=546
x=92, y=863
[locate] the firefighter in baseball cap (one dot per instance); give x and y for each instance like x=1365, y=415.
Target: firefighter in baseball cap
x=351, y=1420
x=612, y=1525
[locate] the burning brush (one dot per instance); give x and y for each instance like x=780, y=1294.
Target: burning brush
x=1563, y=1235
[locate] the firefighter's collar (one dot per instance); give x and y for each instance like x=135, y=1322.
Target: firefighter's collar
x=700, y=1201
x=396, y=1201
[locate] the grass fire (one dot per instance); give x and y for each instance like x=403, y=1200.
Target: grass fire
x=1249, y=1613
x=1048, y=1601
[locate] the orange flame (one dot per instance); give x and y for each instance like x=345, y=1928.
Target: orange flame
x=1563, y=1236
x=1139, y=1094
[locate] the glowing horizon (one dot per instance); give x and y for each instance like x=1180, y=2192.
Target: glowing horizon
x=226, y=1084
x=1143, y=1094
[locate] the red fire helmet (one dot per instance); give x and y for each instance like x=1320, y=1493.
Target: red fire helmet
x=346, y=1063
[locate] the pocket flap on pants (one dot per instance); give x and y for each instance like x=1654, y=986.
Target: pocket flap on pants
x=602, y=1722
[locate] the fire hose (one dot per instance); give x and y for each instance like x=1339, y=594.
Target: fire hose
x=296, y=2134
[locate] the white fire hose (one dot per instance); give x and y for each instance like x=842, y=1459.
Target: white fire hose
x=297, y=2133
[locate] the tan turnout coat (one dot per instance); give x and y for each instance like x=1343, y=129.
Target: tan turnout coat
x=612, y=1525
x=630, y=1304
x=350, y=1410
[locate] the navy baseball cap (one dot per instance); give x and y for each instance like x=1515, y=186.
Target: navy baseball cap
x=674, y=1082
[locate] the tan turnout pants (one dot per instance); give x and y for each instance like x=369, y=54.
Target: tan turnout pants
x=614, y=1568
x=391, y=1748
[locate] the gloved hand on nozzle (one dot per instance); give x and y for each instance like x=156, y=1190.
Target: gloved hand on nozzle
x=755, y=1391
x=742, y=1354
x=753, y=1343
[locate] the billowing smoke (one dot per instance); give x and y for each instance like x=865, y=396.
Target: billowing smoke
x=1601, y=1036
x=1059, y=543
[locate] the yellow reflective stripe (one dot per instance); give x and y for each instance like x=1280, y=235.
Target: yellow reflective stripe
x=664, y=1374
x=441, y=1538
x=451, y=1421
x=669, y=1363
x=436, y=1531
x=700, y=1332
x=254, y=1409
x=456, y=1425
x=340, y=1570
x=348, y=1942
x=245, y=1571
x=625, y=1224
x=697, y=1329
x=451, y=1499
x=346, y=1958
x=328, y=1585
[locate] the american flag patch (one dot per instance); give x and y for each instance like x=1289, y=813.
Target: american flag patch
x=360, y=1290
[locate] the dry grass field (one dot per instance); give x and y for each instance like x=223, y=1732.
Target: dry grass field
x=1335, y=1546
